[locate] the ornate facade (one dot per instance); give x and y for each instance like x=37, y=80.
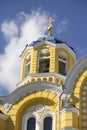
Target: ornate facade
x=52, y=91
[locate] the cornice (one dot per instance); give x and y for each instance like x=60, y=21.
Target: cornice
x=71, y=109
x=9, y=100
x=59, y=45
x=42, y=75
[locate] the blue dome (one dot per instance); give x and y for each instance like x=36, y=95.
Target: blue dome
x=50, y=39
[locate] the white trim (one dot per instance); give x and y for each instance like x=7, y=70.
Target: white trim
x=73, y=109
x=46, y=114
x=41, y=75
x=39, y=117
x=26, y=117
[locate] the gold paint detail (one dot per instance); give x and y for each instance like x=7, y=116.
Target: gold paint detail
x=50, y=26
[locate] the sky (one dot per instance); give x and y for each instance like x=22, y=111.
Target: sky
x=22, y=22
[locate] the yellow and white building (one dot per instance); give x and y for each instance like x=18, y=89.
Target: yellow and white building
x=52, y=92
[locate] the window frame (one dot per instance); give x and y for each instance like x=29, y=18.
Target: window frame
x=65, y=61
x=26, y=65
x=48, y=114
x=39, y=118
x=26, y=117
x=43, y=58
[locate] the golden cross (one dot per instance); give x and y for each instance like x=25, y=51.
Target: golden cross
x=50, y=27
x=50, y=20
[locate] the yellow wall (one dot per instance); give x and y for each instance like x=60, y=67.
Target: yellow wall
x=68, y=119
x=54, y=52
x=3, y=124
x=18, y=110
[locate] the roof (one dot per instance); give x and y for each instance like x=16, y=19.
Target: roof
x=24, y=90
x=49, y=38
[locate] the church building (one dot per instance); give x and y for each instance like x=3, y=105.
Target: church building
x=52, y=92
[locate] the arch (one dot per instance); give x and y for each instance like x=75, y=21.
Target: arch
x=76, y=85
x=61, y=82
x=73, y=77
x=47, y=123
x=44, y=60
x=45, y=79
x=48, y=115
x=45, y=113
x=38, y=79
x=33, y=79
x=62, y=63
x=31, y=102
x=29, y=121
x=51, y=79
x=27, y=89
x=57, y=81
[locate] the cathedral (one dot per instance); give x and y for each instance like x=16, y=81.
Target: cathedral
x=52, y=91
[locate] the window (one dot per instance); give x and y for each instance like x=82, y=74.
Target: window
x=31, y=123
x=27, y=65
x=44, y=61
x=48, y=123
x=62, y=62
x=34, y=121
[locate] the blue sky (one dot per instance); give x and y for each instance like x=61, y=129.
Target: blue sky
x=70, y=25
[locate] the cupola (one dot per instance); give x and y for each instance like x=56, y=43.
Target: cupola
x=46, y=59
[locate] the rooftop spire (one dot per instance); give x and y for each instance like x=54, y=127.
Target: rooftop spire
x=50, y=27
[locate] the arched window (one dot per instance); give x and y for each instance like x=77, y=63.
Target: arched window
x=63, y=63
x=27, y=64
x=32, y=120
x=31, y=123
x=47, y=123
x=44, y=61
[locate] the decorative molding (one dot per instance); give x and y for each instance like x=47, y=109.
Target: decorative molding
x=45, y=114
x=39, y=117
x=72, y=109
x=28, y=89
x=26, y=116
x=39, y=108
x=41, y=75
x=7, y=107
x=65, y=97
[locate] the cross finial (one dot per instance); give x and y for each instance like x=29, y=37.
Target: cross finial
x=50, y=27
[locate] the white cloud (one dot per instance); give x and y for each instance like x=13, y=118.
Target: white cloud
x=9, y=29
x=24, y=29
x=62, y=26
